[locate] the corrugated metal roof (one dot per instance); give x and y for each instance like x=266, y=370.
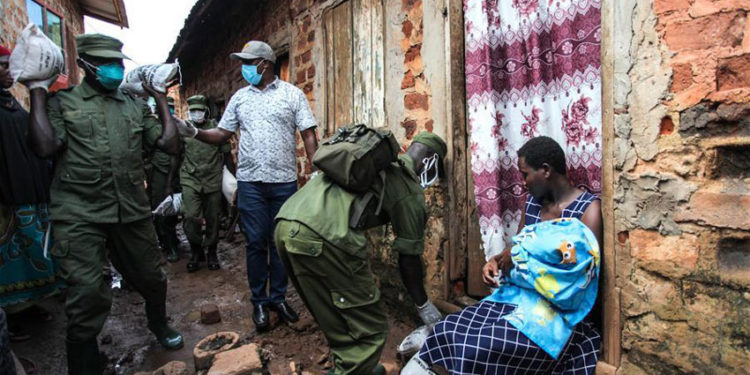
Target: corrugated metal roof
x=112, y=11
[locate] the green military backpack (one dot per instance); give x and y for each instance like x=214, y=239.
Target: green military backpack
x=354, y=158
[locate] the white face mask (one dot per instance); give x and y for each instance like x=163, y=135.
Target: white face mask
x=197, y=115
x=429, y=171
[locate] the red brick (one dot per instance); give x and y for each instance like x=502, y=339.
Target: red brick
x=406, y=28
x=717, y=30
x=300, y=76
x=429, y=125
x=308, y=88
x=311, y=72
x=416, y=101
x=311, y=36
x=243, y=360
x=723, y=210
x=664, y=6
x=733, y=72
x=412, y=53
x=682, y=77
x=410, y=126
x=673, y=256
x=408, y=80
x=306, y=57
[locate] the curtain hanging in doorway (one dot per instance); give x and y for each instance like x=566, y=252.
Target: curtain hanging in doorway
x=532, y=68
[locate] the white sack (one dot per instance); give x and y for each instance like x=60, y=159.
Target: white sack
x=35, y=57
x=170, y=206
x=228, y=185
x=156, y=75
x=414, y=341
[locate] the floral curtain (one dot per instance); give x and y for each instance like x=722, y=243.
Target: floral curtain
x=532, y=68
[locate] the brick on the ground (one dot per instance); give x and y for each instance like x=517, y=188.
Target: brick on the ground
x=244, y=360
x=210, y=314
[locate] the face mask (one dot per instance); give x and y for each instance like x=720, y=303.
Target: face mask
x=171, y=110
x=251, y=75
x=109, y=75
x=429, y=171
x=197, y=115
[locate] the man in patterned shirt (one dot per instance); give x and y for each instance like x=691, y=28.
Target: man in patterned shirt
x=268, y=112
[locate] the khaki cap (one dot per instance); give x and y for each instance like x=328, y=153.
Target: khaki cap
x=99, y=45
x=197, y=102
x=255, y=49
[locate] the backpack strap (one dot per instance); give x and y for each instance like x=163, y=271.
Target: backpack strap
x=364, y=202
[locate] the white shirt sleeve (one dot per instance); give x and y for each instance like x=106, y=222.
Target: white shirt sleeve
x=229, y=120
x=304, y=118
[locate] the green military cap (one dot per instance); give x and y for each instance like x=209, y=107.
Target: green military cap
x=197, y=102
x=170, y=101
x=433, y=141
x=99, y=45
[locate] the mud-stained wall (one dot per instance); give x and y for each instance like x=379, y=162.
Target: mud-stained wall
x=15, y=18
x=412, y=93
x=682, y=184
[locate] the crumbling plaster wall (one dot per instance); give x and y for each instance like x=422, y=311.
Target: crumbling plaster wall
x=682, y=184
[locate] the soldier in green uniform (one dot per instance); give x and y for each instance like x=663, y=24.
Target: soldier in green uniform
x=327, y=260
x=163, y=181
x=98, y=195
x=200, y=177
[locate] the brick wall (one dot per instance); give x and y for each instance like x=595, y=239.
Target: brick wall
x=682, y=187
x=15, y=19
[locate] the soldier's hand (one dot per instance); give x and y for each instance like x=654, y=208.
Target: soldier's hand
x=43, y=84
x=186, y=129
x=151, y=91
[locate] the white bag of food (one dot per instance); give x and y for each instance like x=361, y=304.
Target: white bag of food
x=170, y=206
x=228, y=185
x=35, y=57
x=158, y=76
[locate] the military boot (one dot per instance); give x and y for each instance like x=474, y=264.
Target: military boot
x=84, y=358
x=196, y=257
x=213, y=259
x=172, y=254
x=167, y=336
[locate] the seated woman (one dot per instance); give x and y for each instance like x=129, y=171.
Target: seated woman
x=533, y=322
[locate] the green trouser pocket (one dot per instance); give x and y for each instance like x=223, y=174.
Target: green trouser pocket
x=360, y=309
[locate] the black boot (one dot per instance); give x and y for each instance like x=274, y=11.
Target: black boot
x=172, y=254
x=168, y=337
x=84, y=358
x=196, y=257
x=212, y=259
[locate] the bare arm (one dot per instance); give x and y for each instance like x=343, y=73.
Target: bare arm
x=410, y=267
x=42, y=138
x=592, y=217
x=168, y=142
x=174, y=166
x=311, y=145
x=215, y=136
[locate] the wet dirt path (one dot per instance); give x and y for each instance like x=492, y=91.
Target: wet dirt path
x=130, y=347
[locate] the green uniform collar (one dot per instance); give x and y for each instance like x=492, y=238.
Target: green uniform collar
x=88, y=92
x=408, y=163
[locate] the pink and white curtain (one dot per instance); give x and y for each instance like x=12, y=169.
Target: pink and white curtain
x=532, y=68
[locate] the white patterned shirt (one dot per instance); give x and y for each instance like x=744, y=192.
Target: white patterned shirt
x=268, y=121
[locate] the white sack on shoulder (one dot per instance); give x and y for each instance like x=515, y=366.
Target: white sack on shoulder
x=35, y=57
x=157, y=76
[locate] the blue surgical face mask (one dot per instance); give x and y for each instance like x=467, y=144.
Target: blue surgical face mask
x=171, y=110
x=110, y=75
x=251, y=75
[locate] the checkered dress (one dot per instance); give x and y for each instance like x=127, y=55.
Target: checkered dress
x=574, y=210
x=477, y=340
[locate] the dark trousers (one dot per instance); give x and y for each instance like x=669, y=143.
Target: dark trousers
x=258, y=204
x=7, y=365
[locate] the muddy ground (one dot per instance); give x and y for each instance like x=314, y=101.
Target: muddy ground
x=130, y=347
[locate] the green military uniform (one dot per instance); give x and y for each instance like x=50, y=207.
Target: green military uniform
x=200, y=178
x=99, y=206
x=328, y=261
x=158, y=173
